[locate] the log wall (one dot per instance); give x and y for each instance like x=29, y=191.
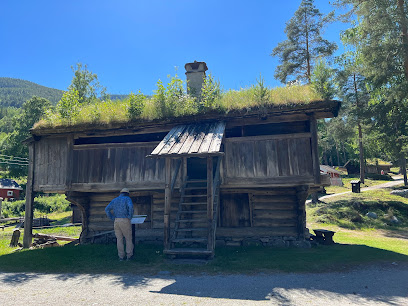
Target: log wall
x=271, y=217
x=150, y=204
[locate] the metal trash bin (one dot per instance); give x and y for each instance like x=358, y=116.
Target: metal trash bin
x=355, y=186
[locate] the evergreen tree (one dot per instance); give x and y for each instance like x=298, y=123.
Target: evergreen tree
x=381, y=37
x=304, y=44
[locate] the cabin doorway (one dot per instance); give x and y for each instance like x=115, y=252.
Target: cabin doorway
x=197, y=168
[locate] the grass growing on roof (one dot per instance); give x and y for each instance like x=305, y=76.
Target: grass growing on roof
x=173, y=101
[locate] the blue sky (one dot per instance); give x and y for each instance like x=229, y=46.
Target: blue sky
x=131, y=44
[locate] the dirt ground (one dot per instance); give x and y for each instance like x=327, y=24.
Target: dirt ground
x=375, y=285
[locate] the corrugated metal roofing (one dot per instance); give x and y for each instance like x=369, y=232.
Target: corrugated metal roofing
x=9, y=184
x=192, y=139
x=329, y=169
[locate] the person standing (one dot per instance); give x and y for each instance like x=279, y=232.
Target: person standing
x=122, y=208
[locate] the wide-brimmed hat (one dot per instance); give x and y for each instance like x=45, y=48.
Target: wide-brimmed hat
x=124, y=190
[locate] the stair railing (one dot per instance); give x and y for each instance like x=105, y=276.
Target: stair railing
x=216, y=199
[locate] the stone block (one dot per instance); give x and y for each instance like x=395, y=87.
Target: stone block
x=278, y=243
x=251, y=242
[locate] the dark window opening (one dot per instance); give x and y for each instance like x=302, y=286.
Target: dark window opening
x=269, y=129
x=122, y=139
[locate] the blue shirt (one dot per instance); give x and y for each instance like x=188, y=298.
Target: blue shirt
x=122, y=207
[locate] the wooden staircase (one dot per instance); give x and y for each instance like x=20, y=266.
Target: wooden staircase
x=194, y=232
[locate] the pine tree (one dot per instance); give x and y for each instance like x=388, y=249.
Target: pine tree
x=304, y=44
x=381, y=37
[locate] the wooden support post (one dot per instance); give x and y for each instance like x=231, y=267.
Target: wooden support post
x=301, y=194
x=70, y=162
x=82, y=201
x=184, y=170
x=29, y=209
x=315, y=149
x=1, y=202
x=167, y=204
x=210, y=202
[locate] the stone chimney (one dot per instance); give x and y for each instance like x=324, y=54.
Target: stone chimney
x=195, y=73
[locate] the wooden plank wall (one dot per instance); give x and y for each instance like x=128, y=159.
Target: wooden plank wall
x=268, y=157
x=251, y=214
x=150, y=204
x=50, y=163
x=117, y=164
x=272, y=212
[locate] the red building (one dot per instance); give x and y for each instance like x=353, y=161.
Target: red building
x=9, y=190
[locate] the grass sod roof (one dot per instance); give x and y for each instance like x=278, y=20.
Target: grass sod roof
x=105, y=115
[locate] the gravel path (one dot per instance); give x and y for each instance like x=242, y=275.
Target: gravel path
x=396, y=182
x=384, y=285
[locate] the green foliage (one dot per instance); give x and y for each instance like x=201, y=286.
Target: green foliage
x=69, y=105
x=381, y=41
x=86, y=84
x=322, y=79
x=14, y=92
x=350, y=211
x=210, y=94
x=42, y=205
x=164, y=104
x=159, y=99
x=136, y=105
x=32, y=111
x=304, y=44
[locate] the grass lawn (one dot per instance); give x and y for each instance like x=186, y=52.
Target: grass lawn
x=149, y=259
x=347, y=186
x=367, y=242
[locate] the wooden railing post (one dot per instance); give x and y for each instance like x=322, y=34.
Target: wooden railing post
x=29, y=209
x=210, y=203
x=167, y=204
x=315, y=149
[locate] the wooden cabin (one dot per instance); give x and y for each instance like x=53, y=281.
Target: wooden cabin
x=217, y=179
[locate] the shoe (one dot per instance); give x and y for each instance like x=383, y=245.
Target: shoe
x=129, y=258
x=121, y=259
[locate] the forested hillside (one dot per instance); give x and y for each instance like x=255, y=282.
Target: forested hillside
x=14, y=92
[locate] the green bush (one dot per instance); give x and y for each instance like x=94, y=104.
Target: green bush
x=42, y=204
x=136, y=105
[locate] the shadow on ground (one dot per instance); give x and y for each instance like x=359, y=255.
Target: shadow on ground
x=253, y=273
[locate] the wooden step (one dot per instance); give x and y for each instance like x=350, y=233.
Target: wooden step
x=194, y=195
x=191, y=220
x=196, y=229
x=192, y=211
x=194, y=203
x=196, y=181
x=194, y=188
x=198, y=240
x=185, y=251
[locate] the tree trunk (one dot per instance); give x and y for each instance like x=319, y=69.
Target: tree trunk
x=338, y=154
x=307, y=50
x=344, y=154
x=404, y=30
x=361, y=148
x=404, y=169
